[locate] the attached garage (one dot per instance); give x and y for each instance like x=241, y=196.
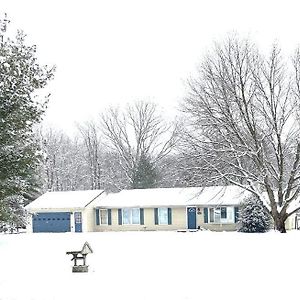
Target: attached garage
x=51, y=222
x=70, y=211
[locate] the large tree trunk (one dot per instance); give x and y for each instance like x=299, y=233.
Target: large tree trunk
x=279, y=224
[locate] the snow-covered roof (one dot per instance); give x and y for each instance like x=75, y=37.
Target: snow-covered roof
x=64, y=200
x=217, y=195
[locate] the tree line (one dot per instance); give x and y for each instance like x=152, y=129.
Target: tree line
x=127, y=148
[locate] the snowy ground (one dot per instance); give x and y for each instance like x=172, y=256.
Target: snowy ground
x=152, y=265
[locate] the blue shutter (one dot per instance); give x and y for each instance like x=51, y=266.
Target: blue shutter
x=223, y=212
x=97, y=217
x=156, y=216
x=109, y=216
x=120, y=216
x=141, y=216
x=170, y=216
x=236, y=214
x=205, y=215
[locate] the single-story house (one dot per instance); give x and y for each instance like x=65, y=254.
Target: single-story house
x=214, y=208
x=71, y=211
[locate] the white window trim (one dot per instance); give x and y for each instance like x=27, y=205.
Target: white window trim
x=131, y=210
x=159, y=215
x=103, y=224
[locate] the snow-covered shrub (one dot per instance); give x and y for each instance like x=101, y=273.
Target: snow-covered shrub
x=253, y=216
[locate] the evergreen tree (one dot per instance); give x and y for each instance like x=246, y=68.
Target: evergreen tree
x=145, y=176
x=21, y=76
x=253, y=216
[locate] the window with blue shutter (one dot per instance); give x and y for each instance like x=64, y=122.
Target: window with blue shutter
x=97, y=217
x=205, y=215
x=163, y=216
x=109, y=216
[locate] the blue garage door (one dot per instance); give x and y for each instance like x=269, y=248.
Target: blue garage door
x=51, y=222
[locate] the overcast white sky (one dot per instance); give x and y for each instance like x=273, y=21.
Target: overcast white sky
x=117, y=51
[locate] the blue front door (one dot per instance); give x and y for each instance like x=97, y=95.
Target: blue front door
x=78, y=221
x=51, y=222
x=192, y=217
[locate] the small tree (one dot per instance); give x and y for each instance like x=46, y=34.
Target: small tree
x=253, y=216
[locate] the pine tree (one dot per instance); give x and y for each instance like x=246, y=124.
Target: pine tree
x=145, y=176
x=21, y=76
x=253, y=216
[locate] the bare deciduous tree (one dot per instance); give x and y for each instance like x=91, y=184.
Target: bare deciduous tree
x=242, y=111
x=92, y=143
x=63, y=165
x=138, y=131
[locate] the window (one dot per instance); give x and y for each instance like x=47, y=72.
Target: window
x=131, y=216
x=220, y=215
x=77, y=217
x=126, y=216
x=103, y=216
x=211, y=215
x=217, y=215
x=214, y=215
x=135, y=216
x=163, y=216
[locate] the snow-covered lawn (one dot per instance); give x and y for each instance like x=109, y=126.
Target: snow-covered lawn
x=152, y=265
